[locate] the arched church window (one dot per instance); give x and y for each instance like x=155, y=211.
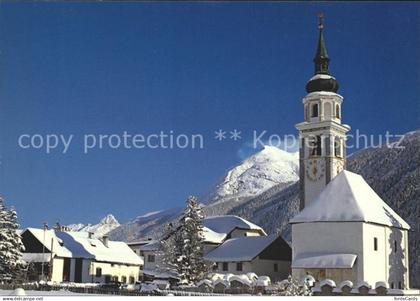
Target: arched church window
x=314, y=110
x=328, y=110
x=316, y=146
x=337, y=147
x=337, y=111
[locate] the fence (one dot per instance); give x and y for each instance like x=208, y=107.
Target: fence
x=103, y=291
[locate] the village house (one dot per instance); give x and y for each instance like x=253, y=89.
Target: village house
x=148, y=250
x=78, y=257
x=233, y=244
x=263, y=255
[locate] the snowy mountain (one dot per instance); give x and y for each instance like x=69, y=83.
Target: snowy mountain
x=148, y=225
x=105, y=225
x=265, y=169
x=271, y=168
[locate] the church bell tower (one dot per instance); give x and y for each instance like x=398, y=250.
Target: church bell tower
x=322, y=135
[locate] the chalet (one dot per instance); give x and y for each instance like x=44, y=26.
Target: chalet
x=263, y=255
x=78, y=257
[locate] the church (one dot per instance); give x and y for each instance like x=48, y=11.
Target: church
x=344, y=230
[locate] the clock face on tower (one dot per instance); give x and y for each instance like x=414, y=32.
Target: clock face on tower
x=315, y=169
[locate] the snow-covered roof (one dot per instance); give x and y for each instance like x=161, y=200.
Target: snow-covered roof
x=244, y=248
x=82, y=246
x=326, y=261
x=151, y=246
x=227, y=223
x=211, y=236
x=349, y=198
x=78, y=244
x=45, y=237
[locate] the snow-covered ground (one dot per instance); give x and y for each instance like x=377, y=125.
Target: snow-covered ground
x=41, y=293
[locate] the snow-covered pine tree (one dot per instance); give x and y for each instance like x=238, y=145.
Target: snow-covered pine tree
x=170, y=251
x=194, y=268
x=182, y=246
x=11, y=247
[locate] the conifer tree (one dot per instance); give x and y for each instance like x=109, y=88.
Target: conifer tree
x=183, y=249
x=11, y=247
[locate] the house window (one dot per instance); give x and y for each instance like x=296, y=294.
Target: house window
x=399, y=285
x=98, y=272
x=395, y=246
x=314, y=110
x=337, y=111
x=114, y=278
x=375, y=244
x=141, y=253
x=124, y=279
x=239, y=266
x=392, y=284
x=225, y=266
x=215, y=266
x=276, y=267
x=131, y=280
x=151, y=258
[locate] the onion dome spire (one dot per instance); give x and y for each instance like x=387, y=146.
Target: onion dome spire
x=322, y=81
x=321, y=58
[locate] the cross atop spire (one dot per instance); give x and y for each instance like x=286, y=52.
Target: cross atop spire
x=321, y=59
x=320, y=20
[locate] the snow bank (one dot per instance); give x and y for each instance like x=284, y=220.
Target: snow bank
x=242, y=279
x=263, y=281
x=328, y=282
x=363, y=284
x=347, y=283
x=381, y=284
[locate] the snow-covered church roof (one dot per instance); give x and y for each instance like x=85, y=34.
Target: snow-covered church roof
x=227, y=223
x=349, y=198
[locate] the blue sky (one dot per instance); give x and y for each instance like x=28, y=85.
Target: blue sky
x=105, y=68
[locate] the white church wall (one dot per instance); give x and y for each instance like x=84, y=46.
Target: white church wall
x=389, y=262
x=375, y=266
x=327, y=238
